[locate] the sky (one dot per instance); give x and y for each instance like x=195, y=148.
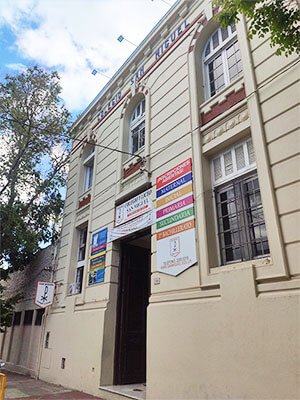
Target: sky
x=74, y=37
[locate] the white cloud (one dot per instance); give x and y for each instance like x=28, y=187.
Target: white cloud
x=16, y=67
x=75, y=36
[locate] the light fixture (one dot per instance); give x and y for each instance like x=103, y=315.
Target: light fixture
x=121, y=38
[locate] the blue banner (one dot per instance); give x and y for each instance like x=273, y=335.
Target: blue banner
x=174, y=185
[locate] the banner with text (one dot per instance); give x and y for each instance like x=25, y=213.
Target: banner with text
x=97, y=257
x=133, y=208
x=175, y=237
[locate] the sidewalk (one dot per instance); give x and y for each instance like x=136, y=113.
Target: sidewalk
x=23, y=387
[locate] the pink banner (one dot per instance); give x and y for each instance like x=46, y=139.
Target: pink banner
x=175, y=206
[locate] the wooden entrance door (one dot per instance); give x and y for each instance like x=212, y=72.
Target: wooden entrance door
x=133, y=301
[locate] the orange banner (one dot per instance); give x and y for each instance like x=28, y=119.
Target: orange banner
x=176, y=229
x=174, y=196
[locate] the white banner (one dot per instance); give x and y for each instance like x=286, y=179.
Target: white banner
x=176, y=253
x=44, y=294
x=138, y=205
x=138, y=223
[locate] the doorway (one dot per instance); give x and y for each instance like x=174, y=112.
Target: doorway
x=133, y=296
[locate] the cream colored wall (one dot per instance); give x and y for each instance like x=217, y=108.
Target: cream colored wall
x=213, y=332
x=236, y=345
x=279, y=100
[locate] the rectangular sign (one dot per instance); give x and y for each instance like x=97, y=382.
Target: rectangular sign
x=174, y=185
x=175, y=237
x=98, y=257
x=133, y=208
x=188, y=213
x=174, y=195
x=135, y=225
x=176, y=253
x=174, y=173
x=175, y=206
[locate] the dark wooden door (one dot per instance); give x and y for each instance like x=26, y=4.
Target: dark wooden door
x=133, y=301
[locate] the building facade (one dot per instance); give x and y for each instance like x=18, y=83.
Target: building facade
x=179, y=258
x=21, y=344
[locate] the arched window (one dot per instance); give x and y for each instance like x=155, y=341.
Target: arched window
x=88, y=157
x=221, y=60
x=137, y=128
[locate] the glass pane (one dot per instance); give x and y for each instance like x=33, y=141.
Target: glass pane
x=217, y=168
x=207, y=50
x=234, y=61
x=79, y=277
x=233, y=28
x=135, y=142
x=216, y=75
x=228, y=163
x=224, y=33
x=142, y=137
x=240, y=157
x=215, y=39
x=250, y=150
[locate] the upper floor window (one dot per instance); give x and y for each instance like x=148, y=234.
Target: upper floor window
x=137, y=128
x=88, y=166
x=221, y=60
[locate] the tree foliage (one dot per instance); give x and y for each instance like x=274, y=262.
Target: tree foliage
x=33, y=158
x=278, y=18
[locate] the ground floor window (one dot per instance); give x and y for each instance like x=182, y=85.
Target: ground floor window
x=241, y=225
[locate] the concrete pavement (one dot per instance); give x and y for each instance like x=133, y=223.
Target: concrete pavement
x=23, y=387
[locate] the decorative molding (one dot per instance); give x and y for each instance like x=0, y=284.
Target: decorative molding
x=223, y=104
x=229, y=124
x=86, y=200
x=132, y=168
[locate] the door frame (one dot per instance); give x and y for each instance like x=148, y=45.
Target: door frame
x=119, y=335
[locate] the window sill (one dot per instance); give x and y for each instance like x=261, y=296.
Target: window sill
x=220, y=97
x=258, y=263
x=85, y=194
x=132, y=159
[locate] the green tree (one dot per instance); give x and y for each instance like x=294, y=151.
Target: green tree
x=277, y=18
x=33, y=158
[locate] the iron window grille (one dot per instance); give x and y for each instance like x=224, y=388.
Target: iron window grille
x=81, y=259
x=221, y=60
x=241, y=225
x=82, y=244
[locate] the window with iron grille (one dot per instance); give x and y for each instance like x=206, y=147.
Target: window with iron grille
x=82, y=244
x=137, y=128
x=240, y=220
x=241, y=225
x=221, y=60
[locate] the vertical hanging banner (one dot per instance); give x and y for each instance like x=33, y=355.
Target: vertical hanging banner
x=97, y=257
x=175, y=216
